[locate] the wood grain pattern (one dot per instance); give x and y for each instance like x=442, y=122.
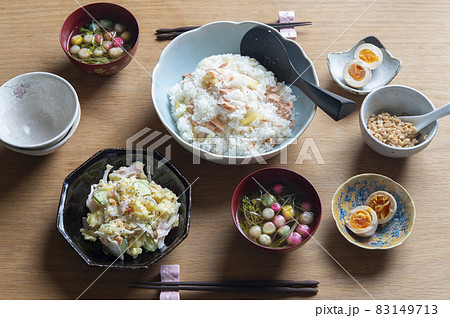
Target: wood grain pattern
x=36, y=263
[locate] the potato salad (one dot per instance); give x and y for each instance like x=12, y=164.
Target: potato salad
x=129, y=213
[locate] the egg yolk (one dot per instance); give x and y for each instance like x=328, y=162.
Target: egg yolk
x=368, y=56
x=361, y=219
x=356, y=72
x=381, y=205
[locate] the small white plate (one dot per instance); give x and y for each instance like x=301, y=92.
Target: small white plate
x=380, y=76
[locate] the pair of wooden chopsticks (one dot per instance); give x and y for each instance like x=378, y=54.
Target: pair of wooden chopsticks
x=300, y=288
x=171, y=33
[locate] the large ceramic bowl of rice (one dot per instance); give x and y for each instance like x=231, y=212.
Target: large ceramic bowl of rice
x=224, y=107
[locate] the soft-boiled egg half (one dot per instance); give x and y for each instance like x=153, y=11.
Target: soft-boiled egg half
x=370, y=55
x=362, y=221
x=356, y=73
x=384, y=205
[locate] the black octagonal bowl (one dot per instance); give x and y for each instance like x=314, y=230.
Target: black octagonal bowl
x=76, y=188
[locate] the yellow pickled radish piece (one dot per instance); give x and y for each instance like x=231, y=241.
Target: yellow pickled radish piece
x=251, y=82
x=250, y=117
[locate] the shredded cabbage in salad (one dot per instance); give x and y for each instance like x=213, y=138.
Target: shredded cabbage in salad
x=129, y=213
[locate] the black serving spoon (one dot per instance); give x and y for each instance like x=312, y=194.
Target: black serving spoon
x=264, y=45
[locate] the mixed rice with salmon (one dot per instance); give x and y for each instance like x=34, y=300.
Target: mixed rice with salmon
x=232, y=105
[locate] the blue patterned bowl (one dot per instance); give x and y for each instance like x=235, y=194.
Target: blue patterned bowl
x=355, y=191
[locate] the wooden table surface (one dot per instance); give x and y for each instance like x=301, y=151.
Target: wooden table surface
x=37, y=263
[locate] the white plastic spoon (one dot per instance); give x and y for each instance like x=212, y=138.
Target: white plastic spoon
x=424, y=120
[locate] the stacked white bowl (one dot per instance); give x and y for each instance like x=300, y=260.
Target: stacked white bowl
x=39, y=112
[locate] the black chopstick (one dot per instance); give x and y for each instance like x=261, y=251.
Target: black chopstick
x=171, y=33
x=303, y=291
x=237, y=283
x=168, y=36
x=188, y=28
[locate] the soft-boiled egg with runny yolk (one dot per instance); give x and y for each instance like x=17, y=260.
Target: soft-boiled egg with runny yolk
x=370, y=55
x=384, y=205
x=362, y=221
x=356, y=74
